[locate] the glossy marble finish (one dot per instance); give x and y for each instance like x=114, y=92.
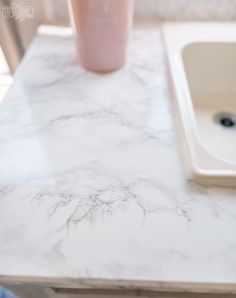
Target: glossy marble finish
x=91, y=182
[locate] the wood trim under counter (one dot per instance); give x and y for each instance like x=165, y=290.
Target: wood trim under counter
x=132, y=288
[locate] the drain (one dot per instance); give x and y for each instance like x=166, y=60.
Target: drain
x=226, y=120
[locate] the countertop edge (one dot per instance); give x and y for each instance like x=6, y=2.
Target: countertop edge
x=122, y=287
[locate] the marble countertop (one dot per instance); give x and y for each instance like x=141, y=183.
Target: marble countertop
x=91, y=181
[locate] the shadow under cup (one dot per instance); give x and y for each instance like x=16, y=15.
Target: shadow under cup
x=102, y=29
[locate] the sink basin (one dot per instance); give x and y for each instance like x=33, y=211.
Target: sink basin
x=202, y=64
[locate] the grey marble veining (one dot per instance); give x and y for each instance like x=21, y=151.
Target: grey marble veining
x=91, y=181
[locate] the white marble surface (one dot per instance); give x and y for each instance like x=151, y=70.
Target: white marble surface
x=91, y=182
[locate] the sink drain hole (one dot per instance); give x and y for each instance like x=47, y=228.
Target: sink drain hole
x=226, y=120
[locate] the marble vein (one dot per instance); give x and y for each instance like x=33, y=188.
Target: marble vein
x=91, y=179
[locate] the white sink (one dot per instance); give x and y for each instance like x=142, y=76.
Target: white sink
x=202, y=64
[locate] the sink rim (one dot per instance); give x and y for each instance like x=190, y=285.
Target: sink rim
x=178, y=37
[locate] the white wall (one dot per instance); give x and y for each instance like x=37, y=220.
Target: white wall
x=28, y=27
x=56, y=12
x=163, y=10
